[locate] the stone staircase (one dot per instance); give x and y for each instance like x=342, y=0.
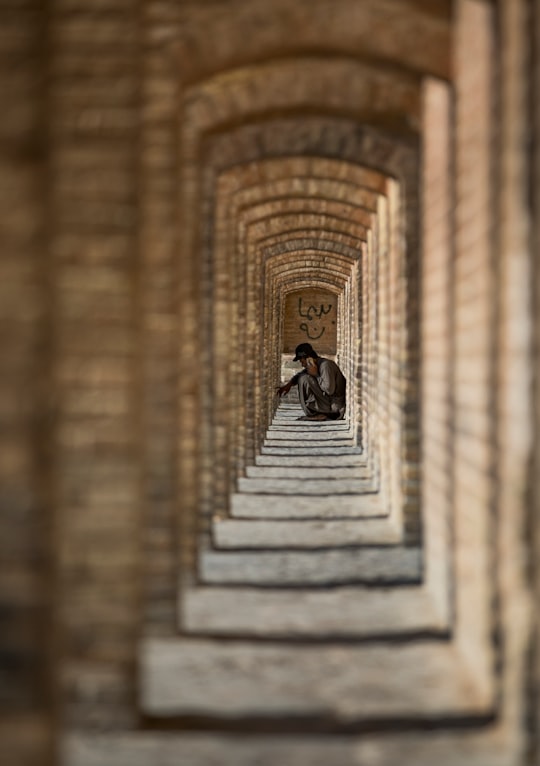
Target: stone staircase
x=296, y=525
x=311, y=635
x=304, y=594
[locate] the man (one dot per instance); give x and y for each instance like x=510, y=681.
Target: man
x=321, y=385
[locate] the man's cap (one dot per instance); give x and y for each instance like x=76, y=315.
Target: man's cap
x=303, y=350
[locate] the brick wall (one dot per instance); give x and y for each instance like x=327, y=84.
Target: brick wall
x=26, y=589
x=193, y=444
x=172, y=182
x=473, y=324
x=310, y=316
x=96, y=464
x=533, y=113
x=516, y=250
x=437, y=344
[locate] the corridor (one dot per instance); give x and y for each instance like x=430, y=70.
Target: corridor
x=193, y=575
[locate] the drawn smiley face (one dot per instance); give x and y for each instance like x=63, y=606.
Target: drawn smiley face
x=313, y=332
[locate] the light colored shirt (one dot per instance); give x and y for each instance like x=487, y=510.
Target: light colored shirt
x=331, y=379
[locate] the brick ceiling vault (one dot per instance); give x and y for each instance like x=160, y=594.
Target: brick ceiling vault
x=227, y=586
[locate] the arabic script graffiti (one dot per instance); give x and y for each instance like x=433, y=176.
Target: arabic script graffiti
x=314, y=332
x=312, y=310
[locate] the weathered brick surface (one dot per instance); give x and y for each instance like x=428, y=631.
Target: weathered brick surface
x=257, y=237
x=93, y=215
x=25, y=513
x=473, y=316
x=533, y=114
x=172, y=176
x=436, y=335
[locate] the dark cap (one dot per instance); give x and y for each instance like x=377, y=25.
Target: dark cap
x=303, y=350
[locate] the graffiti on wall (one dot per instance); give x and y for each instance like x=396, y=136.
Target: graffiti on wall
x=315, y=326
x=310, y=315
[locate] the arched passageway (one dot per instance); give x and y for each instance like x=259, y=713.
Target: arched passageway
x=194, y=576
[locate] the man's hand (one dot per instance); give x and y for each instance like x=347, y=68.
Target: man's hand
x=311, y=366
x=281, y=390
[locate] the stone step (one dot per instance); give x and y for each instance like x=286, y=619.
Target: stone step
x=285, y=407
x=341, y=612
x=373, y=565
x=242, y=533
x=420, y=680
x=298, y=431
x=325, y=461
x=475, y=747
x=295, y=410
x=311, y=449
x=295, y=422
x=285, y=410
x=302, y=487
x=308, y=472
x=272, y=506
x=309, y=440
x=296, y=426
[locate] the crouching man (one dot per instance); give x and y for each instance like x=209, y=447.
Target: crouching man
x=321, y=385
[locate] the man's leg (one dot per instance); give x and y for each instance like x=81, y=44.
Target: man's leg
x=312, y=398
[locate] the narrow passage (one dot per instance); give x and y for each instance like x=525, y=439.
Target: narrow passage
x=307, y=513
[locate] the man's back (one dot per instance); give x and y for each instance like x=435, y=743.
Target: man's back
x=331, y=379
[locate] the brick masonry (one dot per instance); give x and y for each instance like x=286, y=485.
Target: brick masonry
x=26, y=589
x=174, y=178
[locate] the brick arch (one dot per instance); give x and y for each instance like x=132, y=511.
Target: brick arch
x=315, y=239
x=204, y=156
x=285, y=277
x=252, y=419
x=182, y=58
x=255, y=241
x=371, y=179
x=343, y=274
x=317, y=244
x=98, y=423
x=292, y=278
x=337, y=270
x=300, y=207
x=306, y=180
x=396, y=457
x=272, y=166
x=398, y=160
x=284, y=237
x=255, y=244
x=302, y=174
x=386, y=32
x=274, y=137
x=375, y=96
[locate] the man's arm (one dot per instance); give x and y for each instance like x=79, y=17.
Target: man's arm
x=281, y=390
x=327, y=378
